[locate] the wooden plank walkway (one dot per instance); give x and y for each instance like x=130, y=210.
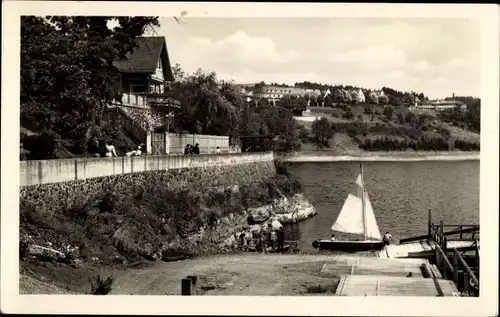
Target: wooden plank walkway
x=352, y=265
x=370, y=285
x=417, y=247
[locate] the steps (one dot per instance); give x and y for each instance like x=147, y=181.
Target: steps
x=371, y=276
x=370, y=285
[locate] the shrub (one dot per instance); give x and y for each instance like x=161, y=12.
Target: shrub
x=101, y=287
x=43, y=146
x=348, y=115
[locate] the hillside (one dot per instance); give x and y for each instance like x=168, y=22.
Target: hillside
x=354, y=127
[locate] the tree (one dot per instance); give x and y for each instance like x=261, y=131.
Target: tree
x=409, y=99
x=68, y=75
x=373, y=98
x=339, y=96
x=328, y=101
x=388, y=112
x=322, y=131
x=258, y=89
x=355, y=97
x=384, y=100
x=208, y=107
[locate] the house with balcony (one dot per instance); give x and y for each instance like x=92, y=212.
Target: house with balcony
x=145, y=74
x=144, y=77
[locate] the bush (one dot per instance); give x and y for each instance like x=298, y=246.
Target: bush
x=43, y=146
x=388, y=144
x=101, y=287
x=466, y=146
x=348, y=115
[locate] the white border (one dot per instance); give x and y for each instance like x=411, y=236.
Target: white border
x=486, y=305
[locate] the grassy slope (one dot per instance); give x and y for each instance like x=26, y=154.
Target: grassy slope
x=342, y=144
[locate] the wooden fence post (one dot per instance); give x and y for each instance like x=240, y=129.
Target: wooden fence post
x=193, y=279
x=466, y=282
x=438, y=264
x=455, y=267
x=429, y=222
x=441, y=233
x=461, y=232
x=445, y=267
x=186, y=286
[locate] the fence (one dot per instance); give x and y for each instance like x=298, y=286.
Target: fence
x=54, y=171
x=175, y=143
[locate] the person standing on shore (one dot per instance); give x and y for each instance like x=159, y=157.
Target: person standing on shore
x=281, y=240
x=387, y=238
x=196, y=149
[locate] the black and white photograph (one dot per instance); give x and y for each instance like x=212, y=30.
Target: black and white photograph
x=187, y=152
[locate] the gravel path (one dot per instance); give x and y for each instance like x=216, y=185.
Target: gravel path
x=242, y=274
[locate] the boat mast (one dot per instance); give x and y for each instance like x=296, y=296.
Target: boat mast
x=363, y=202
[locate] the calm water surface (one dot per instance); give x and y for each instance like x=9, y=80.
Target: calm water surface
x=401, y=193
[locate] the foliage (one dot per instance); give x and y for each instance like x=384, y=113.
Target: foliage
x=373, y=98
x=208, y=106
x=41, y=146
x=384, y=100
x=68, y=75
x=388, y=144
x=322, y=131
x=466, y=146
x=388, y=112
x=293, y=103
x=348, y=115
x=469, y=119
x=101, y=286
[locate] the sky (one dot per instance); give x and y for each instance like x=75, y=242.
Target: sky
x=438, y=56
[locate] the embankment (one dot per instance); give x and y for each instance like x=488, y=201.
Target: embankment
x=381, y=157
x=122, y=210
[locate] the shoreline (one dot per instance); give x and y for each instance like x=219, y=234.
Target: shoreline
x=379, y=157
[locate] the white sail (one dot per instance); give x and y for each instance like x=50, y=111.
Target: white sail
x=372, y=230
x=351, y=218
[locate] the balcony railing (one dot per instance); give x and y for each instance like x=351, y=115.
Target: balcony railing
x=147, y=100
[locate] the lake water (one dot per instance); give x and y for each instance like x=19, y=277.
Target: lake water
x=401, y=194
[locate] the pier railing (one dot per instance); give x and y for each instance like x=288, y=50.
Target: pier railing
x=436, y=232
x=469, y=286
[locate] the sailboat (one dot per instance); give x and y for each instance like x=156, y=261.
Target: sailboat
x=356, y=217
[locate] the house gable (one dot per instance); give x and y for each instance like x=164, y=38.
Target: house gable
x=144, y=58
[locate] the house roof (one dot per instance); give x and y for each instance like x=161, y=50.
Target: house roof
x=144, y=57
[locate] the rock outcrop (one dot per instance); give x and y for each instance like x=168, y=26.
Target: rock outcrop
x=260, y=214
x=292, y=210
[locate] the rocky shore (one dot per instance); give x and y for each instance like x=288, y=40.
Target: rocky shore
x=222, y=236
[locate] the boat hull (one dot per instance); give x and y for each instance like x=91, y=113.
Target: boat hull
x=348, y=246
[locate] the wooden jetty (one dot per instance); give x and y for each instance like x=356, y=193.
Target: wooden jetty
x=358, y=285
x=458, y=244
x=371, y=276
x=422, y=248
x=434, y=264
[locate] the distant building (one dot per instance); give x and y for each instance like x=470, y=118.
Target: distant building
x=275, y=93
x=440, y=105
x=360, y=96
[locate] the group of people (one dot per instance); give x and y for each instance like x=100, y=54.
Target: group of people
x=269, y=239
x=107, y=149
x=190, y=149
